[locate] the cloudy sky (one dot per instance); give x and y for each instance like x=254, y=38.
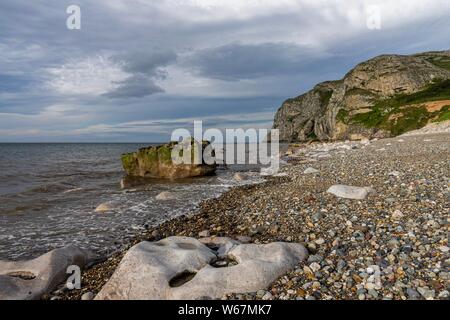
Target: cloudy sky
x=137, y=69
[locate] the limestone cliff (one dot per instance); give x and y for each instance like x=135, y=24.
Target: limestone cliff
x=385, y=96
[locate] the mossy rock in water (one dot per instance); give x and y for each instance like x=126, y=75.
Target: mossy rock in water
x=156, y=162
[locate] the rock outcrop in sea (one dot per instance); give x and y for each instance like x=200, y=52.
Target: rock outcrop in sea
x=385, y=96
x=156, y=162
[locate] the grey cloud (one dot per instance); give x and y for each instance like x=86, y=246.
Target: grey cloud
x=148, y=62
x=247, y=61
x=145, y=67
x=137, y=86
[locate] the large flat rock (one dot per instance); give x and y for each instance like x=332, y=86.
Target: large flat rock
x=182, y=268
x=28, y=280
x=350, y=192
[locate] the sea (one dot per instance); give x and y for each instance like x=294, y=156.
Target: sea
x=49, y=192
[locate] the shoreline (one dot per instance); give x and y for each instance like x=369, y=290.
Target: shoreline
x=95, y=277
x=345, y=238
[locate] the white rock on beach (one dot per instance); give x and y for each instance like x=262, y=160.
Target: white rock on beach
x=311, y=171
x=87, y=296
x=29, y=280
x=281, y=175
x=397, y=215
x=179, y=268
x=394, y=173
x=104, y=207
x=239, y=176
x=203, y=234
x=269, y=171
x=165, y=195
x=350, y=192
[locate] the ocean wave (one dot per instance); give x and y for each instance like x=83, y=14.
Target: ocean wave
x=73, y=190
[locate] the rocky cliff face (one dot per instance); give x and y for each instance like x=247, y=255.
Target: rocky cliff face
x=384, y=96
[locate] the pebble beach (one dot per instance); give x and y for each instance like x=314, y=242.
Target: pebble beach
x=391, y=245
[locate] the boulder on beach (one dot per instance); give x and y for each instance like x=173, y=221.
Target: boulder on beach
x=156, y=162
x=185, y=268
x=104, y=207
x=30, y=280
x=350, y=192
x=165, y=195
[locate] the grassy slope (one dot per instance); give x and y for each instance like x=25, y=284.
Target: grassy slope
x=388, y=114
x=440, y=61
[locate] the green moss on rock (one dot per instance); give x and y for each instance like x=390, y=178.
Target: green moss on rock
x=129, y=162
x=156, y=162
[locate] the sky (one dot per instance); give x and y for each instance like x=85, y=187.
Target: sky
x=136, y=70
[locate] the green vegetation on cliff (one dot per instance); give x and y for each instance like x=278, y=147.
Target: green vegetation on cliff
x=403, y=113
x=440, y=61
x=444, y=114
x=325, y=97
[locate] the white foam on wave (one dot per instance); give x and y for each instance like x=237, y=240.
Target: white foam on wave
x=73, y=190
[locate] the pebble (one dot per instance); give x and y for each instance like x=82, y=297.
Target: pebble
x=315, y=258
x=261, y=293
x=87, y=296
x=426, y=293
x=267, y=296
x=311, y=171
x=204, y=234
x=397, y=214
x=315, y=266
x=320, y=241
x=412, y=294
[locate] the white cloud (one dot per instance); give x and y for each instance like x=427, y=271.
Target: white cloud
x=88, y=76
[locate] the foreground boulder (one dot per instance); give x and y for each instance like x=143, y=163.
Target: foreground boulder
x=28, y=280
x=156, y=162
x=349, y=192
x=185, y=268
